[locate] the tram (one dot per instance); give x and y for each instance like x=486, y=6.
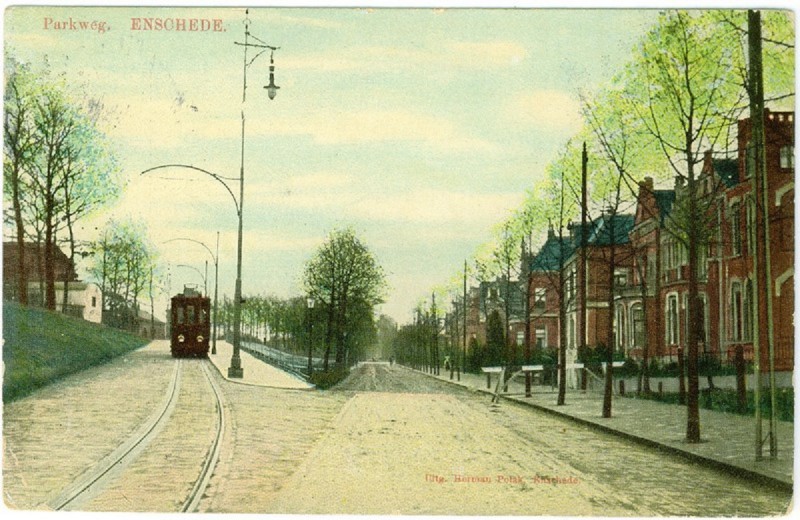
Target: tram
x=190, y=324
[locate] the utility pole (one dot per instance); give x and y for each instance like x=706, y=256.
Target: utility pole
x=581, y=274
x=464, y=345
x=761, y=262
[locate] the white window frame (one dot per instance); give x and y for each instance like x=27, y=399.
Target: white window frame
x=672, y=319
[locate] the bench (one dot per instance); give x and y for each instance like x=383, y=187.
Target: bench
x=489, y=371
x=614, y=364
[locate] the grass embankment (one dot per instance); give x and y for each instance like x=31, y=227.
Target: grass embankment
x=41, y=347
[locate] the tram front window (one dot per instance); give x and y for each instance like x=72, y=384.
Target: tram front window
x=190, y=314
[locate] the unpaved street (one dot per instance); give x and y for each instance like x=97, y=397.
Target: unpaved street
x=420, y=452
x=388, y=440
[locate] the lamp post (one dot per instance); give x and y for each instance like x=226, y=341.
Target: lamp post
x=309, y=308
x=214, y=257
x=235, y=370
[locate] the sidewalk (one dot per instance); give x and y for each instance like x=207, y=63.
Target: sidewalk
x=256, y=372
x=727, y=439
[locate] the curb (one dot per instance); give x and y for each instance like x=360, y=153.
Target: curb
x=245, y=383
x=731, y=469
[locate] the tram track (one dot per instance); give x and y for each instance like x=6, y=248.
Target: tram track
x=212, y=456
x=101, y=476
x=97, y=477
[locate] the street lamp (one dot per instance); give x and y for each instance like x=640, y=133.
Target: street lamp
x=309, y=308
x=215, y=257
x=235, y=370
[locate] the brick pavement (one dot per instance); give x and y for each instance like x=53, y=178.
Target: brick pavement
x=727, y=439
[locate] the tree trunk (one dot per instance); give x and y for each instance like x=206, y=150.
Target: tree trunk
x=692, y=405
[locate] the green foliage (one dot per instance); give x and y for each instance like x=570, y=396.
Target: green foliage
x=326, y=380
x=123, y=260
x=42, y=347
x=346, y=280
x=726, y=400
x=495, y=340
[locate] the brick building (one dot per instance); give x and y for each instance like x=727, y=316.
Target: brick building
x=33, y=255
x=607, y=245
x=726, y=284
x=545, y=297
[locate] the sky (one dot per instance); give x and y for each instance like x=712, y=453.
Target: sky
x=419, y=128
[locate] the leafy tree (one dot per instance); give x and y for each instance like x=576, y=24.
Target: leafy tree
x=345, y=278
x=58, y=165
x=123, y=262
x=680, y=87
x=20, y=144
x=495, y=340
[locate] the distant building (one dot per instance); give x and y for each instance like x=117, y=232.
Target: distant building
x=33, y=254
x=607, y=243
x=84, y=300
x=150, y=327
x=545, y=297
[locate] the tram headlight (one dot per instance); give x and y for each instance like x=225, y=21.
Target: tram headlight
x=200, y=339
x=180, y=338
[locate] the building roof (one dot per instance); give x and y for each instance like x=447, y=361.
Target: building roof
x=728, y=171
x=605, y=230
x=549, y=257
x=610, y=229
x=664, y=199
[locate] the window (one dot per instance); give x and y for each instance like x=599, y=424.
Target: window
x=671, y=322
x=179, y=315
x=541, y=337
x=571, y=331
x=747, y=311
x=750, y=219
x=736, y=229
x=570, y=292
x=620, y=278
x=637, y=319
x=737, y=311
x=702, y=309
x=539, y=298
x=750, y=160
x=94, y=301
x=787, y=157
x=619, y=328
x=190, y=314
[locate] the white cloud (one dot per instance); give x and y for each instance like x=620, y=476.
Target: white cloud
x=435, y=207
x=486, y=54
x=551, y=110
x=331, y=127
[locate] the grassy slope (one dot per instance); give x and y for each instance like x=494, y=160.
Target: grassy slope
x=40, y=347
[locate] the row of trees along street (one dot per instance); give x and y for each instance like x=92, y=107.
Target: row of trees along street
x=689, y=80
x=345, y=283
x=59, y=168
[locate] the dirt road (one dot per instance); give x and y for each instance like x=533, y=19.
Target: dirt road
x=413, y=445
